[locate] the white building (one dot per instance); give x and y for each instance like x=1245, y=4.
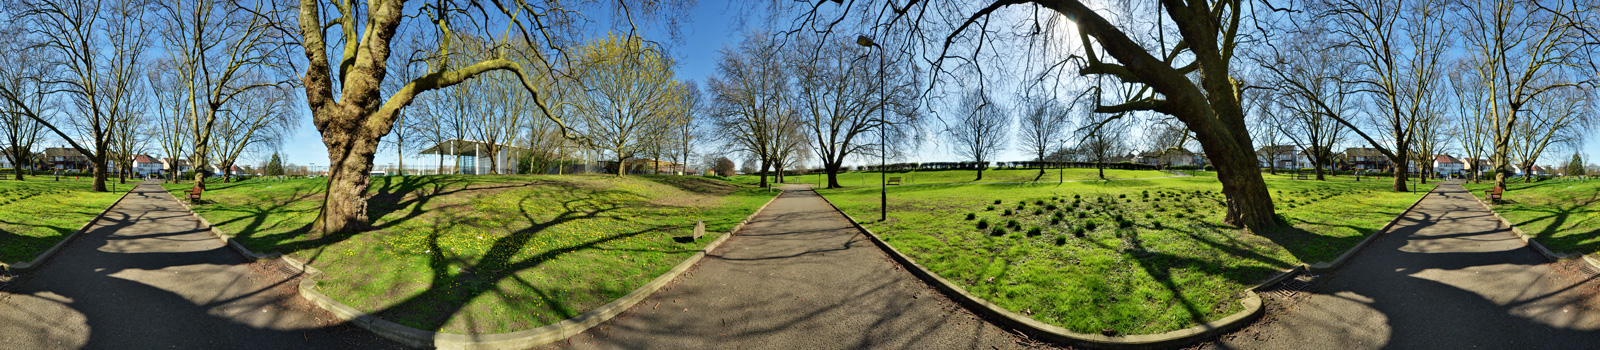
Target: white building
x=145, y=165
x=473, y=157
x=1447, y=165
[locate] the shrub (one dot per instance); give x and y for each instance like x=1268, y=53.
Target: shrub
x=1123, y=195
x=1061, y=240
x=1037, y=211
x=1013, y=224
x=983, y=224
x=1051, y=206
x=1022, y=205
x=1146, y=215
x=1124, y=223
x=997, y=201
x=971, y=216
x=1090, y=225
x=1007, y=213
x=1146, y=193
x=1038, y=202
x=1055, y=221
x=998, y=231
x=991, y=208
x=1078, y=232
x=1035, y=231
x=1082, y=215
x=1075, y=196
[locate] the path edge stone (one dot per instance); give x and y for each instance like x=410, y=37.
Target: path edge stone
x=418, y=338
x=1252, y=308
x=47, y=254
x=1343, y=258
x=1546, y=252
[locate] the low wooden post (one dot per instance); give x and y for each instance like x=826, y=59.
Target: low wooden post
x=699, y=229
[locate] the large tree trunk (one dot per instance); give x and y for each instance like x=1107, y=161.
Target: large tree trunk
x=344, y=208
x=980, y=172
x=833, y=174
x=763, y=173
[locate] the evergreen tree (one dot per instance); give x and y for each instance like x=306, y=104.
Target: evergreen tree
x=274, y=166
x=1575, y=167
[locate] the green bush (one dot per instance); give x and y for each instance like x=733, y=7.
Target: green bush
x=971, y=216
x=1061, y=240
x=1035, y=231
x=998, y=231
x=991, y=208
x=1038, y=211
x=1079, y=231
x=1090, y=225
x=983, y=224
x=1013, y=224
x=1007, y=213
x=997, y=201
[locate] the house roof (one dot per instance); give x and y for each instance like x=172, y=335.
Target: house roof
x=1277, y=149
x=180, y=162
x=143, y=159
x=62, y=152
x=1445, y=159
x=1362, y=152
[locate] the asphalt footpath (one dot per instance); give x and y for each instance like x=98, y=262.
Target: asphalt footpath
x=1450, y=276
x=799, y=276
x=150, y=276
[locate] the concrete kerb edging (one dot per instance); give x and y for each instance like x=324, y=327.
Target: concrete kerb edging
x=34, y=264
x=1546, y=252
x=1328, y=266
x=1252, y=308
x=515, y=340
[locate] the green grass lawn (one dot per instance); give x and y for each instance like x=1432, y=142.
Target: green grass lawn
x=1562, y=215
x=872, y=178
x=1137, y=256
x=38, y=213
x=486, y=254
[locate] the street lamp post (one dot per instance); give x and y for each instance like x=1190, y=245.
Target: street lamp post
x=883, y=147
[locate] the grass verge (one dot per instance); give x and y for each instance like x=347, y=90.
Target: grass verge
x=486, y=254
x=1135, y=257
x=39, y=212
x=1562, y=215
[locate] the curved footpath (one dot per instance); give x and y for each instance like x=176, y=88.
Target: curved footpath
x=1450, y=276
x=799, y=276
x=149, y=276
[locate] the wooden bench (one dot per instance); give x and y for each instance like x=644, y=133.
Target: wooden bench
x=194, y=194
x=894, y=180
x=1494, y=194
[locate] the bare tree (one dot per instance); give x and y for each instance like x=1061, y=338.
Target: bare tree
x=261, y=120
x=1044, y=124
x=23, y=93
x=1473, y=133
x=220, y=50
x=842, y=99
x=1521, y=49
x=979, y=130
x=1309, y=94
x=750, y=90
x=170, y=125
x=1558, y=118
x=99, y=49
x=628, y=88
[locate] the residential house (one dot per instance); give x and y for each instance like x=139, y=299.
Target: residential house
x=1171, y=157
x=175, y=165
x=1304, y=159
x=67, y=159
x=1444, y=164
x=1367, y=159
x=145, y=165
x=1280, y=157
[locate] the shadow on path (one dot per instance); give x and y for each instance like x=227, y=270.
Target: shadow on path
x=1449, y=276
x=148, y=276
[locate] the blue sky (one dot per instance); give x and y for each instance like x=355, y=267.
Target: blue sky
x=714, y=25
